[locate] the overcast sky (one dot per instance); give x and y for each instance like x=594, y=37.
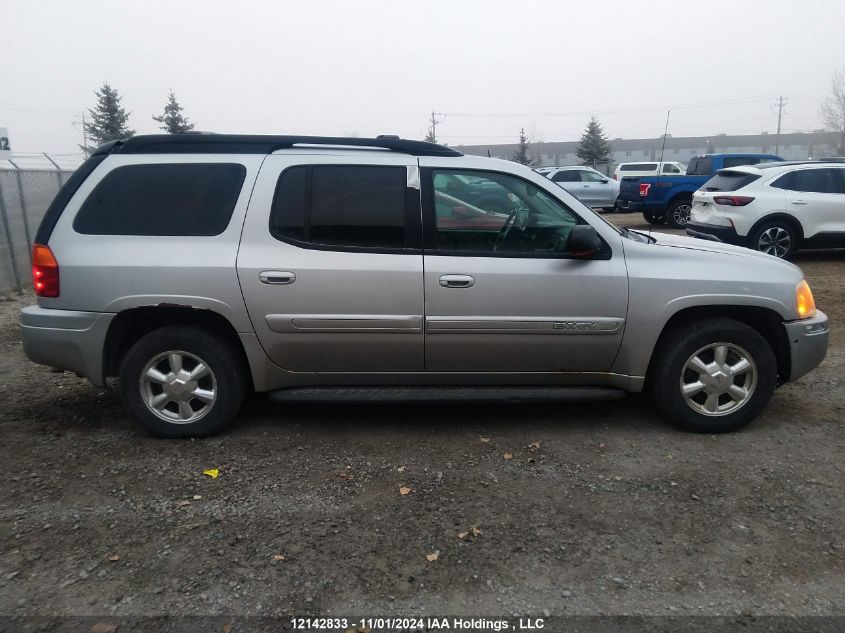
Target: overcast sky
x=370, y=67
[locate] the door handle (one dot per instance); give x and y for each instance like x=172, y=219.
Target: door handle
x=277, y=277
x=457, y=281
x=799, y=202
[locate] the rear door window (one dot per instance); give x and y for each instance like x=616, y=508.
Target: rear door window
x=570, y=175
x=355, y=206
x=812, y=181
x=162, y=199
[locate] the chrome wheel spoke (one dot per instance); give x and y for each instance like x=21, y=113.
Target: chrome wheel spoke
x=737, y=393
x=175, y=361
x=185, y=411
x=697, y=365
x=203, y=394
x=712, y=403
x=740, y=367
x=692, y=388
x=159, y=401
x=156, y=376
x=720, y=354
x=200, y=371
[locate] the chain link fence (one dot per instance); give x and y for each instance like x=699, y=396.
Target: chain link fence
x=25, y=194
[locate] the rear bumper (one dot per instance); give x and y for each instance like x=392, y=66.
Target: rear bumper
x=727, y=234
x=66, y=339
x=807, y=343
x=628, y=205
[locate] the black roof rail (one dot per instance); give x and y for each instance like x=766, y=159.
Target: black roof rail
x=261, y=144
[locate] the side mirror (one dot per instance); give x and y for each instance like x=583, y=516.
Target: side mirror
x=604, y=181
x=583, y=241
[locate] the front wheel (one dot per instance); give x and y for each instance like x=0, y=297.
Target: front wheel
x=774, y=238
x=678, y=213
x=713, y=377
x=183, y=381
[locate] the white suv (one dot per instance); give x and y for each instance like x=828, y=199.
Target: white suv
x=774, y=208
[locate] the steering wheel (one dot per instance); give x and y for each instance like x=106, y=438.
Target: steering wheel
x=506, y=227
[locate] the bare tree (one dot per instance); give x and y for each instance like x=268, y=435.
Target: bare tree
x=833, y=108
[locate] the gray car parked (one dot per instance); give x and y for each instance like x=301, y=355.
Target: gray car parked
x=197, y=268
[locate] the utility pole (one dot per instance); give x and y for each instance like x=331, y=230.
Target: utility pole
x=84, y=135
x=434, y=122
x=781, y=102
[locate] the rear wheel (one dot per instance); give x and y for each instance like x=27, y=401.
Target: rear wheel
x=181, y=381
x=714, y=377
x=678, y=213
x=776, y=238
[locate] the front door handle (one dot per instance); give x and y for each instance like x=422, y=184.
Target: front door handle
x=277, y=277
x=457, y=281
x=799, y=202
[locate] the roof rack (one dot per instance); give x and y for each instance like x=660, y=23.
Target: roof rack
x=261, y=144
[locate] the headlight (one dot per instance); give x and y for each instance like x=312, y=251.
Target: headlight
x=804, y=300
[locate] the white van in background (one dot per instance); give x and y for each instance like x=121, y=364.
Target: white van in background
x=649, y=169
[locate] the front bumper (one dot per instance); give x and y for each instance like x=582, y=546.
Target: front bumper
x=66, y=339
x=727, y=234
x=807, y=343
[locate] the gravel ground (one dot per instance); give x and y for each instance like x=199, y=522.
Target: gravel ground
x=600, y=509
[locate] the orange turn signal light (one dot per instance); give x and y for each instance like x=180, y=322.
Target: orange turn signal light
x=45, y=271
x=804, y=300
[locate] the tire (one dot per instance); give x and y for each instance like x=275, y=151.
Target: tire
x=671, y=368
x=222, y=387
x=677, y=215
x=776, y=237
x=609, y=209
x=651, y=218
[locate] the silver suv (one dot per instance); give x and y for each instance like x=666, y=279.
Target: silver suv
x=198, y=268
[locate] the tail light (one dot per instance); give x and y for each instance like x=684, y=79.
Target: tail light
x=45, y=271
x=644, y=187
x=733, y=201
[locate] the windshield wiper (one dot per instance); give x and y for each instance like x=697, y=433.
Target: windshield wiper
x=626, y=231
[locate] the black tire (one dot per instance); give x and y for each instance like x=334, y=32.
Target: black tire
x=227, y=380
x=776, y=237
x=609, y=209
x=651, y=218
x=669, y=369
x=677, y=214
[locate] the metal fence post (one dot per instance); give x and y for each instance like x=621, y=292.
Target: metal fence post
x=9, y=241
x=23, y=210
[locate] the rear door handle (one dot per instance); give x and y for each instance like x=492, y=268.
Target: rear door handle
x=457, y=281
x=276, y=277
x=799, y=202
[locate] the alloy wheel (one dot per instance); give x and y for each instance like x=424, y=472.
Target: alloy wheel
x=718, y=379
x=774, y=241
x=681, y=214
x=178, y=387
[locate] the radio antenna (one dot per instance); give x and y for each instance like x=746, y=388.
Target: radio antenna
x=660, y=163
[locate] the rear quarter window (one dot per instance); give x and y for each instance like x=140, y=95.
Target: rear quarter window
x=639, y=167
x=700, y=166
x=162, y=199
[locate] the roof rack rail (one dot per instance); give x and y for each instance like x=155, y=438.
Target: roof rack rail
x=261, y=144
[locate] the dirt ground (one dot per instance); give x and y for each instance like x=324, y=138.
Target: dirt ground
x=615, y=512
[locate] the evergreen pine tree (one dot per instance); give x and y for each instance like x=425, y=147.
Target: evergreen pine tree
x=108, y=118
x=593, y=148
x=172, y=120
x=521, y=154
